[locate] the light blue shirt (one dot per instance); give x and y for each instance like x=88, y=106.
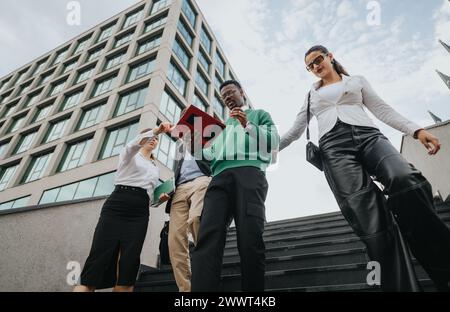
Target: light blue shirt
x=189, y=169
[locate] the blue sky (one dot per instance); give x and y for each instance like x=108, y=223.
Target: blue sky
x=265, y=41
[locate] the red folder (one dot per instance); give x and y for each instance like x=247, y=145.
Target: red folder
x=189, y=118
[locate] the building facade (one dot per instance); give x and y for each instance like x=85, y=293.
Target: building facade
x=435, y=168
x=65, y=117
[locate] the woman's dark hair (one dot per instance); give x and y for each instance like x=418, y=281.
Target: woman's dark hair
x=336, y=65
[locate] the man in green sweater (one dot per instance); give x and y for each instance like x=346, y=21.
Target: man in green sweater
x=239, y=157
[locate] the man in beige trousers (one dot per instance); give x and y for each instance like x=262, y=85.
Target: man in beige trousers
x=192, y=178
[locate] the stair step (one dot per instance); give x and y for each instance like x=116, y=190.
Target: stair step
x=290, y=239
x=346, y=274
x=310, y=254
x=330, y=258
x=303, y=248
x=299, y=228
x=342, y=224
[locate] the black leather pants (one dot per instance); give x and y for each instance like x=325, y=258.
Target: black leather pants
x=391, y=220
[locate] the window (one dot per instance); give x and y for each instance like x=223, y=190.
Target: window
x=94, y=54
x=75, y=155
x=14, y=204
x=25, y=142
x=59, y=57
x=46, y=78
x=140, y=70
x=9, y=110
x=55, y=131
x=104, y=86
x=57, y=87
x=84, y=75
x=176, y=78
x=91, y=116
x=106, y=33
x=189, y=12
x=203, y=60
x=220, y=64
x=131, y=101
x=205, y=39
x=154, y=23
x=24, y=88
x=4, y=84
x=217, y=82
x=32, y=99
x=170, y=108
x=69, y=66
x=149, y=44
x=218, y=107
x=181, y=53
x=39, y=67
x=37, y=168
x=98, y=186
x=199, y=103
x=165, y=151
x=132, y=18
x=120, y=41
x=3, y=147
x=16, y=124
x=182, y=28
x=114, y=60
x=20, y=77
x=82, y=44
x=159, y=5
x=200, y=80
x=5, y=97
x=6, y=175
x=71, y=100
x=42, y=113
x=117, y=139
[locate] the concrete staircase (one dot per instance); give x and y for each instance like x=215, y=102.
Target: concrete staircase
x=316, y=253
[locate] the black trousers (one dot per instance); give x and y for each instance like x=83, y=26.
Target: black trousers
x=121, y=228
x=239, y=193
x=354, y=155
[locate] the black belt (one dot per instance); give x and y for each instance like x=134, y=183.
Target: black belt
x=130, y=188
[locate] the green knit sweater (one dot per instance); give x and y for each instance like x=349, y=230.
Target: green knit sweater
x=235, y=147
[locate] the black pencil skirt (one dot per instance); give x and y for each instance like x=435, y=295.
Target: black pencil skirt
x=121, y=230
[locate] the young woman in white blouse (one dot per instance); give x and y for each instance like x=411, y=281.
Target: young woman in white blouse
x=354, y=152
x=114, y=259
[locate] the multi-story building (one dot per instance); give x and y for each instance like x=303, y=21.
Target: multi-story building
x=65, y=117
x=437, y=168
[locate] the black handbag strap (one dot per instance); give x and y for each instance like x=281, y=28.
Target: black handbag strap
x=308, y=117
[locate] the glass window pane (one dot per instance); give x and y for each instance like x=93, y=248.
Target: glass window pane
x=182, y=28
x=67, y=192
x=160, y=5
x=181, y=53
x=189, y=12
x=21, y=202
x=49, y=196
x=105, y=185
x=86, y=188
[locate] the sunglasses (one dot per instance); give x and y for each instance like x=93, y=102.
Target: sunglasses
x=317, y=61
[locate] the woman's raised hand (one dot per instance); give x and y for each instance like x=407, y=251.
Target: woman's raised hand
x=165, y=127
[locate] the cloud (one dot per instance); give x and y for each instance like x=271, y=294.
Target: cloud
x=268, y=57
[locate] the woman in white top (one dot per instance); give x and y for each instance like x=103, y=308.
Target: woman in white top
x=353, y=153
x=114, y=259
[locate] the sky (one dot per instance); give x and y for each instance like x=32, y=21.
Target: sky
x=394, y=44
